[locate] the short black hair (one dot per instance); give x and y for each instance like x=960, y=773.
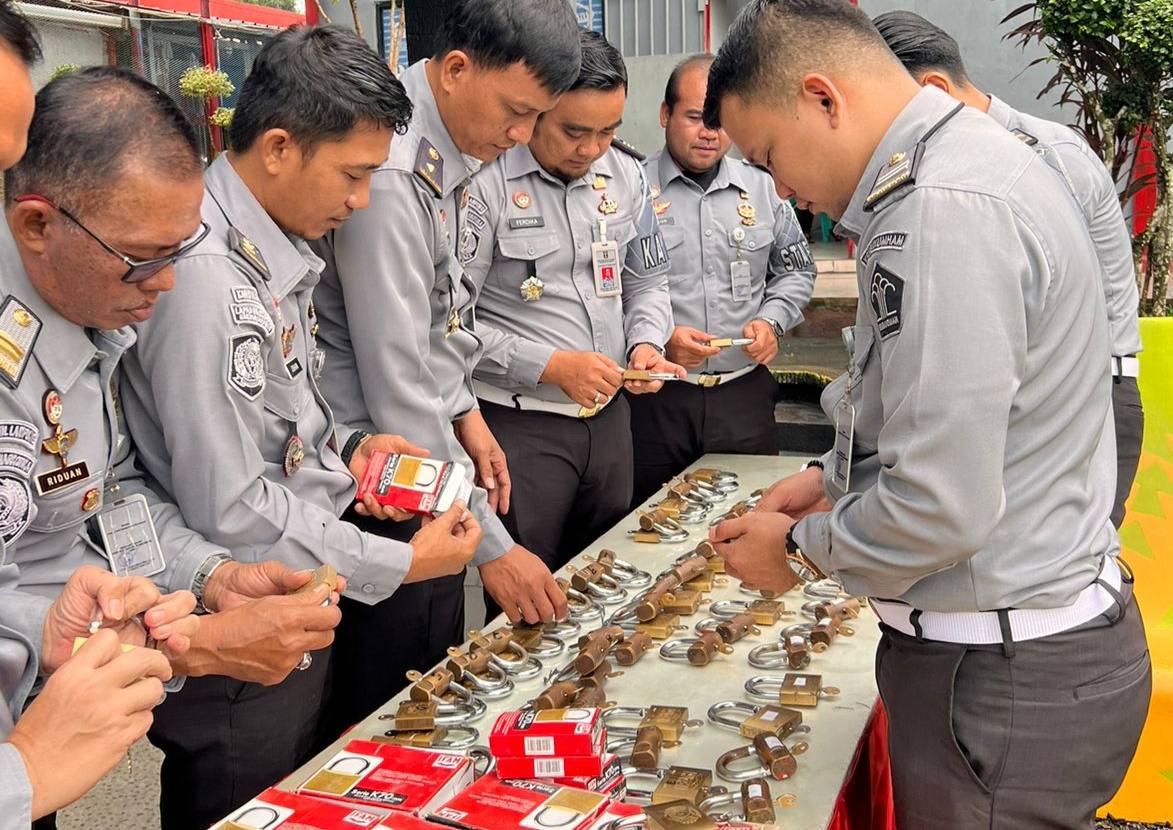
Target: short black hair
x=317, y=82
x=921, y=46
x=542, y=34
x=772, y=43
x=18, y=33
x=672, y=88
x=602, y=64
x=90, y=126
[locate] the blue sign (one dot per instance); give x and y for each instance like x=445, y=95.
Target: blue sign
x=590, y=14
x=387, y=23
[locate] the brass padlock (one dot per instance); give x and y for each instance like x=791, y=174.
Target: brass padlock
x=737, y=627
x=418, y=739
x=797, y=652
x=683, y=784
x=673, y=505
x=803, y=690
x=583, y=577
x=771, y=720
x=461, y=663
x=591, y=655
x=652, y=601
x=823, y=633
x=677, y=815
x=431, y=685
x=496, y=642
x=657, y=517
x=598, y=677
x=846, y=609
x=702, y=649
x=607, y=558
x=670, y=720
x=662, y=627
x=323, y=575
x=775, y=756
x=633, y=648
x=612, y=634
x=649, y=740
x=527, y=636
x=703, y=582
x=757, y=805
x=645, y=537
x=717, y=564
x=590, y=697
x=683, y=602
x=766, y=611
x=415, y=716
x=705, y=548
x=557, y=696
x=690, y=568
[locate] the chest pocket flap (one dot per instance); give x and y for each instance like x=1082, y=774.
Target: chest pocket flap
x=287, y=397
x=673, y=236
x=756, y=238
x=527, y=246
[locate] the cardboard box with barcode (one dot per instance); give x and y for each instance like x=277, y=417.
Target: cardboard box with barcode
x=274, y=809
x=424, y=486
x=495, y=804
x=609, y=781
x=387, y=775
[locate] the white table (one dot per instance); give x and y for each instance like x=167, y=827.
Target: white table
x=836, y=725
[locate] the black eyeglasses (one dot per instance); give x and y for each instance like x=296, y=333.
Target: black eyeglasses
x=137, y=270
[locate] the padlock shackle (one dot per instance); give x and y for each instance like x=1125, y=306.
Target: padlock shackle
x=719, y=713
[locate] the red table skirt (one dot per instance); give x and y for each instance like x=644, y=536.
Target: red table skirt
x=865, y=802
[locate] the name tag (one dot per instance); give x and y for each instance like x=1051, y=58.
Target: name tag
x=844, y=439
x=740, y=275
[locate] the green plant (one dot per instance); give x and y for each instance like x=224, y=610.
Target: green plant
x=204, y=83
x=287, y=5
x=1114, y=64
x=63, y=69
x=222, y=117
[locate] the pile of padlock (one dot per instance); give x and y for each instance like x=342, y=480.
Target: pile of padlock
x=691, y=500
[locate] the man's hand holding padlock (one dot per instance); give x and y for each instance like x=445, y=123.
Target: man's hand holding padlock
x=797, y=495
x=690, y=347
x=754, y=549
x=523, y=586
x=132, y=606
x=444, y=545
x=646, y=357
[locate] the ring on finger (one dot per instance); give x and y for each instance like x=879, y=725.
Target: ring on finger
x=307, y=660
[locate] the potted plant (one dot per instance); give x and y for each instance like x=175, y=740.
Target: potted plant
x=207, y=85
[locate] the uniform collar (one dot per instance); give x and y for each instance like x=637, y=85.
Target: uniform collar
x=285, y=260
x=63, y=349
x=729, y=173
x=928, y=107
x=1001, y=112
x=520, y=162
x=426, y=121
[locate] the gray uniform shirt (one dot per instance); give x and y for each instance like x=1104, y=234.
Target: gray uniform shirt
x=392, y=290
x=524, y=222
x=1096, y=192
x=984, y=449
x=44, y=523
x=705, y=234
x=223, y=375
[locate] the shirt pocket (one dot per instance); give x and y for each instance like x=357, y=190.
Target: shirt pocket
x=523, y=255
x=752, y=244
x=285, y=402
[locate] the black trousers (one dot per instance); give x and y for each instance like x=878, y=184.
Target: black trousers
x=680, y=423
x=571, y=476
x=1129, y=416
x=376, y=645
x=1040, y=739
x=226, y=740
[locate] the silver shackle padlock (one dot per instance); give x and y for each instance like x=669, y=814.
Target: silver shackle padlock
x=723, y=806
x=767, y=757
x=581, y=609
x=667, y=535
x=636, y=795
x=455, y=737
x=698, y=652
x=613, y=719
x=547, y=646
x=769, y=656
x=466, y=710
x=563, y=629
x=802, y=689
x=823, y=589
x=730, y=714
x=625, y=616
x=693, y=514
x=629, y=576
x=565, y=672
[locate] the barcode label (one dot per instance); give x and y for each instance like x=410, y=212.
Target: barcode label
x=538, y=745
x=549, y=768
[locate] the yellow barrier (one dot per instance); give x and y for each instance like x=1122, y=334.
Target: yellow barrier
x=1147, y=540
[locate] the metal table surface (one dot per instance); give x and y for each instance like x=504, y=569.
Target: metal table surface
x=836, y=725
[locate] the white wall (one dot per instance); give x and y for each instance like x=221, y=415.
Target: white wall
x=66, y=43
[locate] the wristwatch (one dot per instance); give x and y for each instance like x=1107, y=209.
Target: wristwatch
x=814, y=462
x=348, y=449
x=803, y=568
x=200, y=581
x=779, y=332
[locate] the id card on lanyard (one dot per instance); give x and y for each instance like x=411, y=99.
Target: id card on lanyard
x=605, y=264
x=845, y=422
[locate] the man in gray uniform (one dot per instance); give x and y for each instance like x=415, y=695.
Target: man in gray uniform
x=315, y=115
x=545, y=223
x=741, y=269
x=98, y=211
x=933, y=57
x=396, y=319
x=972, y=473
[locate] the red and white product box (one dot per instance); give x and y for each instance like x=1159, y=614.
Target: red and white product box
x=397, y=777
x=406, y=821
x=564, y=733
x=610, y=782
x=274, y=809
x=580, y=767
x=418, y=485
x=493, y=804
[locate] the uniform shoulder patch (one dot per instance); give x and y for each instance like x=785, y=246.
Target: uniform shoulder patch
x=470, y=243
x=887, y=298
x=248, y=250
x=623, y=147
x=429, y=166
x=19, y=330
x=246, y=309
x=16, y=469
x=246, y=365
x=889, y=241
x=653, y=250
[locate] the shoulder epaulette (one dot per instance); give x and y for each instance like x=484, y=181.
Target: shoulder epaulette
x=19, y=330
x=248, y=250
x=623, y=147
x=898, y=173
x=429, y=166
